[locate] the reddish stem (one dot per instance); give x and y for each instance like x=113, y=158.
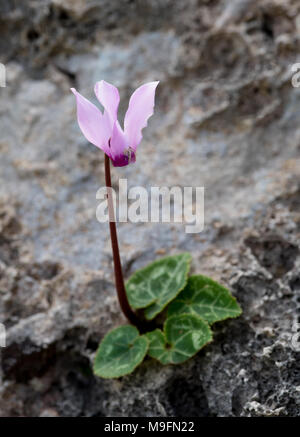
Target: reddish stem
x=120, y=286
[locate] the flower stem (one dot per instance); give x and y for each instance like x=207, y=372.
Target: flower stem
x=119, y=280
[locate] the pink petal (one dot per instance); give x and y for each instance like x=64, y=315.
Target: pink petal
x=91, y=122
x=121, y=155
x=118, y=141
x=141, y=105
x=108, y=96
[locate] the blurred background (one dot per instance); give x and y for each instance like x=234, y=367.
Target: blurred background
x=226, y=118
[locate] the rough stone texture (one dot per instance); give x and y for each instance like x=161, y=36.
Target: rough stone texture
x=227, y=118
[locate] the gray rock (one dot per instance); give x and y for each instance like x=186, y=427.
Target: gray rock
x=226, y=118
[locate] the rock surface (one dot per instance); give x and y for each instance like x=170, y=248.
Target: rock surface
x=227, y=118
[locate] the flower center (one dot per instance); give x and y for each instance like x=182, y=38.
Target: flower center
x=129, y=152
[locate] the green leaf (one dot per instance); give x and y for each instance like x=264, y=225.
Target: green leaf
x=184, y=335
x=120, y=352
x=206, y=298
x=154, y=286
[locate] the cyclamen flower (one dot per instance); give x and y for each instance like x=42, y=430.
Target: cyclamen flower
x=103, y=129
